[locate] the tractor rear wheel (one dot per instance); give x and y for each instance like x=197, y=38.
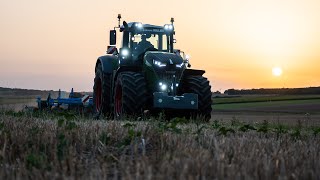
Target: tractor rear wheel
x=130, y=94
x=101, y=93
x=199, y=85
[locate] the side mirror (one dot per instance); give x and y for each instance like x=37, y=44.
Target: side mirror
x=113, y=37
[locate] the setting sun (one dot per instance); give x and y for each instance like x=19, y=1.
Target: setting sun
x=277, y=71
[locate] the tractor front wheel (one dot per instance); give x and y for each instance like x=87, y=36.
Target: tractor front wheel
x=130, y=94
x=199, y=85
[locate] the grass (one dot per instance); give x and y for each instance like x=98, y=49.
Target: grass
x=298, y=104
x=265, y=104
x=40, y=145
x=257, y=98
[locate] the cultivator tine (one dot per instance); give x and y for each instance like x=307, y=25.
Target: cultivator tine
x=71, y=95
x=49, y=101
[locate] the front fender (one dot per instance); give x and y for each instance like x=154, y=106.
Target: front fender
x=193, y=72
x=108, y=63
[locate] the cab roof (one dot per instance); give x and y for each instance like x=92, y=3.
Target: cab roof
x=148, y=26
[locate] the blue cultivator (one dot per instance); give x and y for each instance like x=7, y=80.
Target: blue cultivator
x=71, y=102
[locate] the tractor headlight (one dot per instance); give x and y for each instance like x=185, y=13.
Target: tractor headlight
x=179, y=65
x=159, y=63
x=124, y=53
x=163, y=86
x=177, y=85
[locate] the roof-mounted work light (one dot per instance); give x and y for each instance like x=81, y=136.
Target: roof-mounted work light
x=168, y=27
x=138, y=25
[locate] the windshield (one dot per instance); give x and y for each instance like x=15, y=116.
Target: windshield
x=140, y=42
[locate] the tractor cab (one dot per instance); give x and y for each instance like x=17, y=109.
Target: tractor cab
x=138, y=38
x=148, y=38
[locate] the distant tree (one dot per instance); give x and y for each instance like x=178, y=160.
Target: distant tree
x=217, y=92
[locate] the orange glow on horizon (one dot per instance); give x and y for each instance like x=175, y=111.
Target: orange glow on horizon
x=54, y=44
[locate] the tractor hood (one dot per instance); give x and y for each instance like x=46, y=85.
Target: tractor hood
x=164, y=71
x=164, y=59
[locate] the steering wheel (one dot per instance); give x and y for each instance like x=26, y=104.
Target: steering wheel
x=150, y=49
x=145, y=50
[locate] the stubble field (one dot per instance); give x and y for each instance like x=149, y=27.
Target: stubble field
x=235, y=144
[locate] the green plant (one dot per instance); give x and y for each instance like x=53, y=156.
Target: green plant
x=264, y=127
x=316, y=131
x=132, y=134
x=60, y=122
x=246, y=127
x=61, y=146
x=35, y=160
x=71, y=125
x=199, y=130
x=216, y=124
x=129, y=125
x=104, y=138
x=224, y=130
x=235, y=121
x=280, y=129
x=296, y=134
x=68, y=115
x=1, y=126
x=170, y=126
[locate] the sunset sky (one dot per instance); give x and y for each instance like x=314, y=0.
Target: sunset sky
x=54, y=44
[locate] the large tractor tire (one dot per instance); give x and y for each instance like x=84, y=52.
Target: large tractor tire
x=101, y=93
x=130, y=94
x=199, y=85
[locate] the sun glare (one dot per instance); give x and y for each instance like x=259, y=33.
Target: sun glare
x=277, y=71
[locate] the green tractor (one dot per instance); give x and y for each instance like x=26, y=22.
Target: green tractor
x=148, y=74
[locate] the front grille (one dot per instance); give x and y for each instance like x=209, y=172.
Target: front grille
x=167, y=76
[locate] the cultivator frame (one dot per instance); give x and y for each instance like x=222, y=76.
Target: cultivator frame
x=71, y=101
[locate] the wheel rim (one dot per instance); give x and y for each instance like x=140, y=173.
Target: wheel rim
x=118, y=100
x=98, y=95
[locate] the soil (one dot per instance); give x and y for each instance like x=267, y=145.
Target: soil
x=272, y=117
